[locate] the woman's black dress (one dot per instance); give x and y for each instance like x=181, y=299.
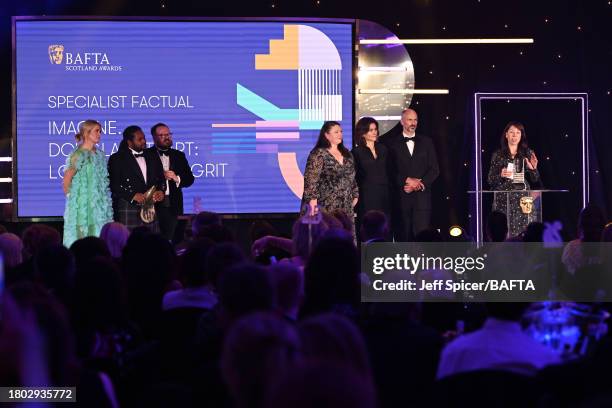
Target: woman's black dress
x=372, y=179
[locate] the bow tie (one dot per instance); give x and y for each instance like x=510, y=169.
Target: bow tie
x=163, y=152
x=408, y=139
x=137, y=155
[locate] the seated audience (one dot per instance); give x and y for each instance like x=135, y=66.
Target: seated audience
x=124, y=314
x=37, y=348
x=115, y=235
x=11, y=248
x=534, y=232
x=99, y=312
x=204, y=219
x=243, y=289
x=497, y=227
x=221, y=258
x=260, y=229
x=37, y=237
x=344, y=219
x=332, y=278
x=322, y=384
x=288, y=284
x=216, y=233
x=85, y=249
x=333, y=338
x=374, y=227
x=398, y=342
x=148, y=269
x=55, y=268
x=258, y=349
x=305, y=237
x=591, y=222
x=34, y=238
x=499, y=345
x=197, y=292
x=208, y=224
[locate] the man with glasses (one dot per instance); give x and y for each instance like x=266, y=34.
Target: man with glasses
x=178, y=175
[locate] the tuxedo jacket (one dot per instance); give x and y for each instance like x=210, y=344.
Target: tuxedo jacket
x=180, y=166
x=422, y=164
x=126, y=178
x=392, y=136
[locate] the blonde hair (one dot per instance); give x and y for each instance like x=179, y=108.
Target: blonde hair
x=86, y=127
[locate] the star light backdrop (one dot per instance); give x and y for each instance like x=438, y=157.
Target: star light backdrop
x=571, y=52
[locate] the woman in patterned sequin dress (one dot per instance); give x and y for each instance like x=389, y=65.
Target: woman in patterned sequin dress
x=514, y=150
x=329, y=179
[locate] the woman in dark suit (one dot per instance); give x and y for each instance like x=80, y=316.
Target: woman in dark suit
x=371, y=169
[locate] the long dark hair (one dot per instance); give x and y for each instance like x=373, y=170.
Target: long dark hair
x=361, y=128
x=522, y=146
x=323, y=143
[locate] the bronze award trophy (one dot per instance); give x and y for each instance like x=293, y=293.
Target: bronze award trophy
x=147, y=212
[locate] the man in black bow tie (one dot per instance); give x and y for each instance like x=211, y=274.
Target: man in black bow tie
x=177, y=175
x=413, y=167
x=132, y=171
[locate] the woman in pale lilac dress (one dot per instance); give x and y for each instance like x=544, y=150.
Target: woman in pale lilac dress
x=88, y=202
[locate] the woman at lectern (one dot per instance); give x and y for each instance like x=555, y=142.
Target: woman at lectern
x=329, y=179
x=514, y=167
x=88, y=203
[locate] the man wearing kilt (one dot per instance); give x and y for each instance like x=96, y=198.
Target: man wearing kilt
x=132, y=171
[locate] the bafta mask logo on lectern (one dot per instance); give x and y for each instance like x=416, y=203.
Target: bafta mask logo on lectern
x=56, y=54
x=526, y=204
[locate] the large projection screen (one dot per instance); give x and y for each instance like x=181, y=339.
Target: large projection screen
x=244, y=99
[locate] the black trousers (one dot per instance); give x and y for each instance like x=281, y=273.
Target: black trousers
x=413, y=217
x=167, y=219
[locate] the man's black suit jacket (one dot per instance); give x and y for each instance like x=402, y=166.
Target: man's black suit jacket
x=422, y=164
x=180, y=166
x=392, y=136
x=126, y=178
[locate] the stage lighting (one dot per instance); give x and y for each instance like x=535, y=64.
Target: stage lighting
x=429, y=41
x=455, y=231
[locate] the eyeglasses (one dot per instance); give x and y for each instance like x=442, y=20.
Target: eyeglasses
x=165, y=135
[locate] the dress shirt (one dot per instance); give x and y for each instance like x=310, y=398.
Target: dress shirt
x=142, y=163
x=498, y=345
x=410, y=143
x=200, y=297
x=165, y=159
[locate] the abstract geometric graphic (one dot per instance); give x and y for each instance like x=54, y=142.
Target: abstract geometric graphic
x=316, y=60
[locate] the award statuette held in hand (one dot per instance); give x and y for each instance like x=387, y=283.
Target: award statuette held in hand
x=147, y=212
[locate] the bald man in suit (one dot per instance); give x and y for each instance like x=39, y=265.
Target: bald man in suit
x=413, y=167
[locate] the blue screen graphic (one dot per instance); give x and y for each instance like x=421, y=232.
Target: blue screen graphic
x=244, y=100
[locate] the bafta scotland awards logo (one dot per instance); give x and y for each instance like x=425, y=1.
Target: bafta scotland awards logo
x=56, y=54
x=81, y=60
